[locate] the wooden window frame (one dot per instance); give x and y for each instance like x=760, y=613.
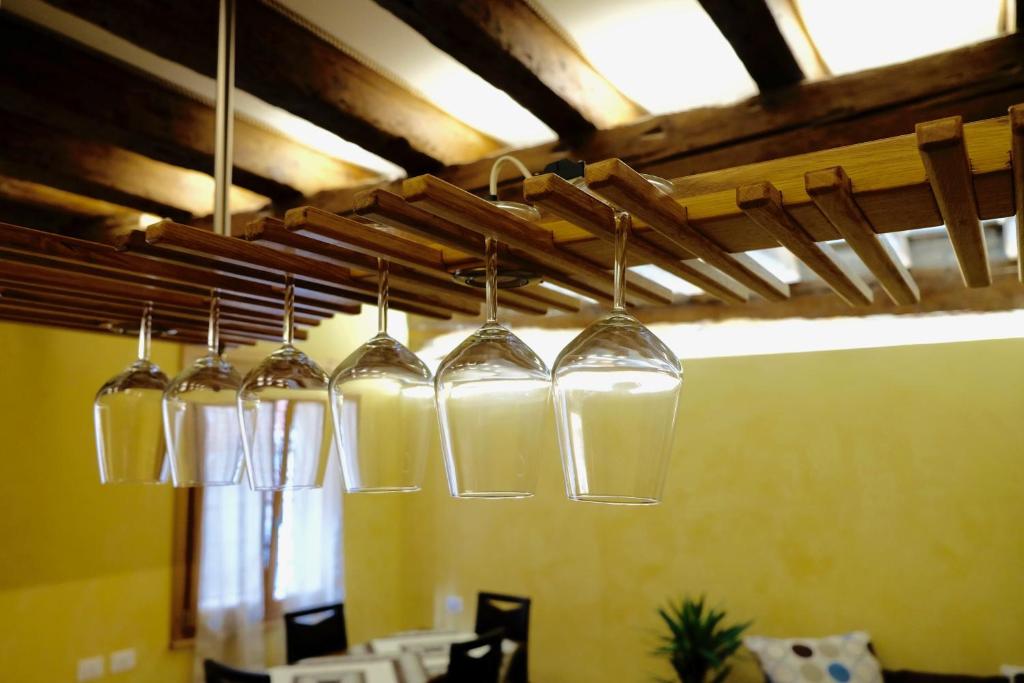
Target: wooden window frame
x=187, y=546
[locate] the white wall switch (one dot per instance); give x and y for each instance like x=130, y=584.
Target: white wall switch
x=453, y=604
x=90, y=668
x=122, y=660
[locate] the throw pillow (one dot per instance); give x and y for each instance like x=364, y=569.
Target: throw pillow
x=1014, y=673
x=845, y=658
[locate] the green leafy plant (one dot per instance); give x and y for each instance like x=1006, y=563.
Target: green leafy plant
x=698, y=644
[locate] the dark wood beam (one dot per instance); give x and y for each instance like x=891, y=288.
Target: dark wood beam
x=76, y=164
x=297, y=68
x=144, y=115
x=976, y=82
x=752, y=31
x=514, y=49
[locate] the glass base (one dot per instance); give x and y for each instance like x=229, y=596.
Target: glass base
x=203, y=484
x=493, y=495
x=132, y=482
x=384, y=489
x=616, y=500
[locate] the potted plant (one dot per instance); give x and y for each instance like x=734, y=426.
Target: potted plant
x=698, y=644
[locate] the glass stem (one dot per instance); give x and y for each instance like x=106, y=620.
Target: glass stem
x=288, y=332
x=145, y=331
x=213, y=332
x=491, y=281
x=382, y=297
x=622, y=223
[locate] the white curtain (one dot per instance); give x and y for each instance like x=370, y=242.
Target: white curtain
x=235, y=549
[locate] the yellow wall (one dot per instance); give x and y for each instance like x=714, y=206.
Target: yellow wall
x=815, y=493
x=85, y=569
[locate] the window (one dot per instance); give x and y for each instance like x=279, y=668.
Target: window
x=260, y=552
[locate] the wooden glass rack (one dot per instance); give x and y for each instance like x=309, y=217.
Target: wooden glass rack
x=944, y=173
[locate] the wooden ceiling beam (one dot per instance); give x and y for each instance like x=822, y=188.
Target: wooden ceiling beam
x=512, y=47
x=300, y=70
x=147, y=116
x=755, y=37
x=77, y=164
x=977, y=82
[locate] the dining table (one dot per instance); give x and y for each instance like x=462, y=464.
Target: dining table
x=406, y=657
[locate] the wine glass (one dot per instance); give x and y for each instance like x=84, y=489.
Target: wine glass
x=616, y=388
x=126, y=414
x=282, y=406
x=493, y=400
x=382, y=401
x=201, y=417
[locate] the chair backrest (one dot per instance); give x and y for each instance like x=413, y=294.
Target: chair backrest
x=476, y=661
x=219, y=673
x=315, y=632
x=508, y=612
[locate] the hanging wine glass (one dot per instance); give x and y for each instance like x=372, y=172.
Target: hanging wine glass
x=201, y=417
x=493, y=399
x=282, y=406
x=616, y=389
x=126, y=414
x=382, y=401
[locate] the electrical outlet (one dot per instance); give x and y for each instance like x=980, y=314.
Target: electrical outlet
x=90, y=668
x=122, y=660
x=453, y=604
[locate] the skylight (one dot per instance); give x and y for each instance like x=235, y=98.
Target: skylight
x=667, y=55
x=851, y=36
x=378, y=35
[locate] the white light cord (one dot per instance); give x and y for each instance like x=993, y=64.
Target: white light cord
x=496, y=168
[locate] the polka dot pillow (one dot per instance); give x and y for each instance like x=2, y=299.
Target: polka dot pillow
x=836, y=659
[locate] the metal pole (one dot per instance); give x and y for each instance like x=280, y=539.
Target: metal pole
x=224, y=152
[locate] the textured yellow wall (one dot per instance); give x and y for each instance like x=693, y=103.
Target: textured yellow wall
x=85, y=569
x=815, y=493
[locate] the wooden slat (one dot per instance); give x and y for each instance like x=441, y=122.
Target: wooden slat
x=509, y=45
x=307, y=293
x=407, y=288
x=100, y=325
x=188, y=320
x=762, y=202
x=627, y=188
x=227, y=315
x=14, y=239
x=598, y=218
x=941, y=291
x=190, y=328
x=73, y=163
x=945, y=159
x=345, y=232
x=1017, y=159
x=476, y=213
x=831, y=191
x=300, y=70
x=414, y=266
x=144, y=115
x=751, y=29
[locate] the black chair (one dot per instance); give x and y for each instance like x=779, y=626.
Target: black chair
x=218, y=673
x=476, y=661
x=315, y=632
x=511, y=614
